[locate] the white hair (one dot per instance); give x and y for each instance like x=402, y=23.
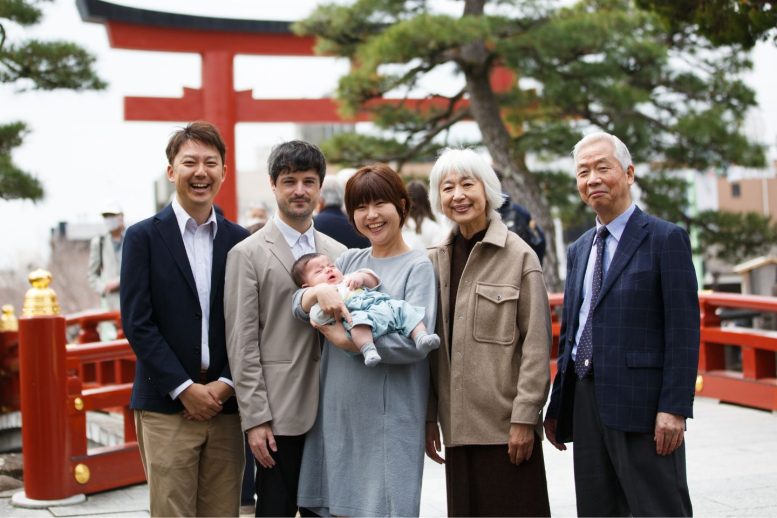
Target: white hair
x=332, y=192
x=465, y=162
x=622, y=153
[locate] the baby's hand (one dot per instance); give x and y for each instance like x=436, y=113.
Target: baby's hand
x=355, y=281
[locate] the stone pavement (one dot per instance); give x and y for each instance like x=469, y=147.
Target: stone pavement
x=732, y=471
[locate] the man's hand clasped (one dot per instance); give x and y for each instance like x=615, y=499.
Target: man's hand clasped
x=203, y=402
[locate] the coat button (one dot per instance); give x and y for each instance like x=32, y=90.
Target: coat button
x=587, y=362
x=498, y=297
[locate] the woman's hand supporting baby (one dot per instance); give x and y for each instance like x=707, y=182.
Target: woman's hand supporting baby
x=326, y=296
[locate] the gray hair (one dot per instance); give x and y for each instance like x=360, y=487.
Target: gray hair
x=465, y=162
x=622, y=153
x=332, y=192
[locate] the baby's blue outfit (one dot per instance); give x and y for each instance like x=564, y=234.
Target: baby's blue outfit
x=375, y=309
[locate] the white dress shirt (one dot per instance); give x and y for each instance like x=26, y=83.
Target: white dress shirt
x=198, y=242
x=300, y=243
x=615, y=228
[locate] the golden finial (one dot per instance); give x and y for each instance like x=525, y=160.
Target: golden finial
x=40, y=300
x=8, y=322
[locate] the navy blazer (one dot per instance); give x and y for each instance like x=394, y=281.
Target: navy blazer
x=645, y=329
x=161, y=314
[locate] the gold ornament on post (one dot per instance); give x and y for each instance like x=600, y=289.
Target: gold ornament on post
x=8, y=322
x=40, y=300
x=82, y=473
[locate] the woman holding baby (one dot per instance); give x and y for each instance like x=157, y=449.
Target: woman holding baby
x=364, y=455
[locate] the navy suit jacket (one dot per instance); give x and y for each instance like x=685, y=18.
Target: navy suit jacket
x=645, y=329
x=161, y=313
x=334, y=223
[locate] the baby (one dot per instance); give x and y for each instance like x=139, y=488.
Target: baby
x=373, y=313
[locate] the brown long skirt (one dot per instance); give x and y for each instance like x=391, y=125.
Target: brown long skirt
x=481, y=481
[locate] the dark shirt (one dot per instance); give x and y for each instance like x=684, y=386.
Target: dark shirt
x=462, y=247
x=334, y=223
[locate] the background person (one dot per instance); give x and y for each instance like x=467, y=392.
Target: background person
x=172, y=288
x=331, y=220
x=274, y=357
x=491, y=374
x=629, y=347
x=520, y=221
x=105, y=265
x=421, y=229
x=364, y=455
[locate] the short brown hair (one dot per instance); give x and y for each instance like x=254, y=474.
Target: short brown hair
x=202, y=132
x=298, y=268
x=376, y=182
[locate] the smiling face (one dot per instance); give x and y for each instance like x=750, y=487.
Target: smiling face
x=463, y=201
x=197, y=172
x=320, y=270
x=297, y=196
x=379, y=221
x=601, y=181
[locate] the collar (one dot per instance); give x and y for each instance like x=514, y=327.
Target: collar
x=183, y=217
x=496, y=234
x=290, y=234
x=618, y=225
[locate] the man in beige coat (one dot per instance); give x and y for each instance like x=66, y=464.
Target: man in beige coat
x=274, y=358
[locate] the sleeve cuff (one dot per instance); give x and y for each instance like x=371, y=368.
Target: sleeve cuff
x=180, y=388
x=227, y=381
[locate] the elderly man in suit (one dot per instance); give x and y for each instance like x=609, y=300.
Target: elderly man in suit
x=274, y=357
x=629, y=347
x=172, y=287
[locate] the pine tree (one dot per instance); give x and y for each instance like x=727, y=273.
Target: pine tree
x=676, y=100
x=722, y=21
x=34, y=65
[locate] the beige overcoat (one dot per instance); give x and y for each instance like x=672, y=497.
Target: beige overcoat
x=274, y=358
x=499, y=372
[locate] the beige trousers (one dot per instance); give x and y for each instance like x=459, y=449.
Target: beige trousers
x=193, y=468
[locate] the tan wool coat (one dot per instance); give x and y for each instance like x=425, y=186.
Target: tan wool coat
x=499, y=371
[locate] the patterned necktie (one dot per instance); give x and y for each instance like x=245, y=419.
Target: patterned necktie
x=585, y=349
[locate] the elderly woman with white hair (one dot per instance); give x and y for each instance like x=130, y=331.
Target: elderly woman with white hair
x=491, y=375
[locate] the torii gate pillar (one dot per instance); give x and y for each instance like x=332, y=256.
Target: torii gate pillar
x=218, y=107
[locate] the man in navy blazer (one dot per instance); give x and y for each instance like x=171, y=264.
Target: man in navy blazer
x=172, y=290
x=628, y=354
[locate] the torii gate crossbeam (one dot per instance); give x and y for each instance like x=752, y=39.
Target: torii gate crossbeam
x=217, y=41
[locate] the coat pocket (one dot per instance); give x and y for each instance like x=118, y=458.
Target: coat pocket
x=496, y=308
x=644, y=360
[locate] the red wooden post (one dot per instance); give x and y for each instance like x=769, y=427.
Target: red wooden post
x=43, y=380
x=711, y=355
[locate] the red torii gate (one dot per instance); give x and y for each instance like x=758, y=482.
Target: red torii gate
x=218, y=40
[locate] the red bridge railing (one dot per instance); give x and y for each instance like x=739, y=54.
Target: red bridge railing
x=60, y=383
x=755, y=383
